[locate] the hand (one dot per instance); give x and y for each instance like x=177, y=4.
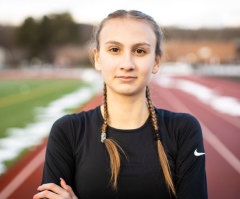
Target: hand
x=53, y=191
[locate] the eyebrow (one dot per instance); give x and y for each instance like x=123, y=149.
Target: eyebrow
x=135, y=45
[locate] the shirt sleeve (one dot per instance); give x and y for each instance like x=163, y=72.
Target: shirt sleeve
x=190, y=161
x=59, y=161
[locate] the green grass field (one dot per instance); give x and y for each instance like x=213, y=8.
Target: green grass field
x=18, y=98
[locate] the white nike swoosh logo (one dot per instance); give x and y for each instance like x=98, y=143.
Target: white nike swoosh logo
x=198, y=153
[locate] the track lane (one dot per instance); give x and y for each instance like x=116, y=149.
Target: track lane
x=220, y=86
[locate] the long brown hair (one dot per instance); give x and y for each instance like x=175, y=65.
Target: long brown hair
x=113, y=148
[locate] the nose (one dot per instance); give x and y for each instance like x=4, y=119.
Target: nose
x=127, y=62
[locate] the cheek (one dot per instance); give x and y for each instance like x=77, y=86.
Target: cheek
x=109, y=62
x=146, y=65
x=108, y=67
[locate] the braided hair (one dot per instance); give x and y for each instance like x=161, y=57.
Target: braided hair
x=113, y=148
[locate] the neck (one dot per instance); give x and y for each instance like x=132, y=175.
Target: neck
x=126, y=112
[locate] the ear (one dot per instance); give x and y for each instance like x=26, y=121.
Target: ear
x=157, y=64
x=96, y=60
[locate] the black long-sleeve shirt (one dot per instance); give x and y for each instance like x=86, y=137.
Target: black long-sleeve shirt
x=75, y=153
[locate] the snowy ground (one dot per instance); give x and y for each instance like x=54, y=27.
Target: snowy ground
x=33, y=133
x=225, y=104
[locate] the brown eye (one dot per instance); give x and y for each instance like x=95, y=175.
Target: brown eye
x=115, y=50
x=140, y=51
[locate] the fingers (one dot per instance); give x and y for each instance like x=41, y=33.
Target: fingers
x=52, y=191
x=67, y=188
x=46, y=194
x=51, y=187
x=63, y=183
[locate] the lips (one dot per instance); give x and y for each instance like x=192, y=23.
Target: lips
x=126, y=78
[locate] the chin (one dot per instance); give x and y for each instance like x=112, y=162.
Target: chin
x=127, y=90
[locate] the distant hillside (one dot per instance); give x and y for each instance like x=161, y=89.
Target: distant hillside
x=7, y=36
x=178, y=42
x=86, y=32
x=170, y=33
x=225, y=34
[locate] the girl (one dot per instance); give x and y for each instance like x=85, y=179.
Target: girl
x=125, y=148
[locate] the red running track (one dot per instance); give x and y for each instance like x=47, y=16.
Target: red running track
x=221, y=139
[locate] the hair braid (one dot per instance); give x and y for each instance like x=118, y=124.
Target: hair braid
x=161, y=153
x=111, y=145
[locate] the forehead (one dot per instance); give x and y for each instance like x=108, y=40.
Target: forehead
x=127, y=31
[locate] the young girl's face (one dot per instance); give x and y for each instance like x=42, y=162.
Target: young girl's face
x=126, y=55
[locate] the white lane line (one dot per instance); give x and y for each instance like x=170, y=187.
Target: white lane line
x=23, y=175
x=207, y=96
x=208, y=135
x=221, y=148
x=232, y=120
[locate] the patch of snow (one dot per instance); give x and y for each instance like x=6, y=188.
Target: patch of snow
x=225, y=104
x=33, y=133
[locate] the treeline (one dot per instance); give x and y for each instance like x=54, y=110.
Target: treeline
x=41, y=37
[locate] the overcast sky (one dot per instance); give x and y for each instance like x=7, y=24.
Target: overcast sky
x=183, y=13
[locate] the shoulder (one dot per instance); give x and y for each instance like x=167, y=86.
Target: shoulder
x=71, y=126
x=75, y=119
x=177, y=119
x=72, y=130
x=180, y=125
